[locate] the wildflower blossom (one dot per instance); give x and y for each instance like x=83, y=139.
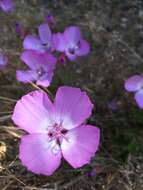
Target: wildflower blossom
x=71, y=43
x=55, y=129
x=3, y=60
x=135, y=84
x=41, y=68
x=43, y=42
x=6, y=5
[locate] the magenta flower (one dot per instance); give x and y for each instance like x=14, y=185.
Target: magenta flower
x=55, y=129
x=6, y=5
x=41, y=67
x=135, y=84
x=3, y=60
x=71, y=43
x=42, y=43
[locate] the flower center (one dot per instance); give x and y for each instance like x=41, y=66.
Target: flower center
x=73, y=48
x=57, y=131
x=40, y=72
x=46, y=46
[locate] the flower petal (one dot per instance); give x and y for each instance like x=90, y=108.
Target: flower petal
x=26, y=76
x=48, y=62
x=31, y=58
x=139, y=98
x=36, y=59
x=45, y=80
x=72, y=107
x=72, y=34
x=71, y=57
x=45, y=33
x=33, y=112
x=7, y=5
x=39, y=154
x=84, y=48
x=59, y=42
x=80, y=144
x=33, y=43
x=134, y=83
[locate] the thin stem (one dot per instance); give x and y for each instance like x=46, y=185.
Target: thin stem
x=48, y=92
x=42, y=88
x=35, y=86
x=7, y=99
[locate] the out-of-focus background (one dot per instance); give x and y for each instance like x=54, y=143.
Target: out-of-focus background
x=114, y=28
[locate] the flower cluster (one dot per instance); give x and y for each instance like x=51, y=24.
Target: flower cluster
x=39, y=49
x=55, y=129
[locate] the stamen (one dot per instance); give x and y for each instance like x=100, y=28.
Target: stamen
x=71, y=50
x=46, y=46
x=57, y=131
x=75, y=47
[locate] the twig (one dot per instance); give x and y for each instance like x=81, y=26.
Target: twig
x=42, y=88
x=4, y=118
x=7, y=99
x=75, y=180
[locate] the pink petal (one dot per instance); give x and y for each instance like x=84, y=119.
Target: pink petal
x=134, y=83
x=80, y=144
x=26, y=76
x=33, y=112
x=31, y=58
x=7, y=5
x=139, y=98
x=39, y=154
x=72, y=107
x=33, y=43
x=45, y=80
x=36, y=59
x=59, y=42
x=45, y=33
x=48, y=61
x=72, y=34
x=84, y=48
x=71, y=57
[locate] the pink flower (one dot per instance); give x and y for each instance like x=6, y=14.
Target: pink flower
x=71, y=43
x=135, y=84
x=6, y=5
x=41, y=66
x=41, y=43
x=55, y=129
